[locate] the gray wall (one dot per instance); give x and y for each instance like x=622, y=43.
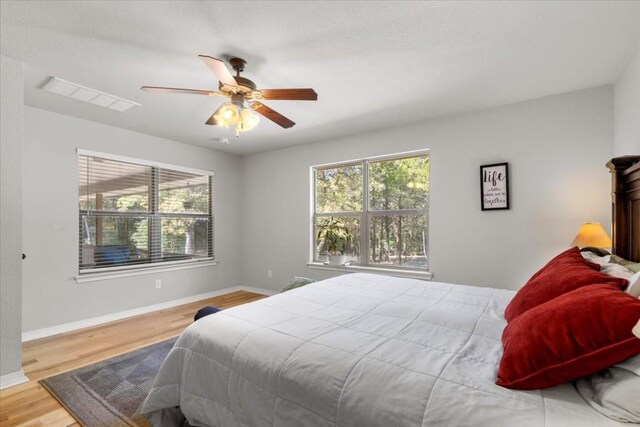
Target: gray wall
x=11, y=136
x=51, y=296
x=557, y=148
x=627, y=108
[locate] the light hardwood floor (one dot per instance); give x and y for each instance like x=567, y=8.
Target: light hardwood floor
x=29, y=404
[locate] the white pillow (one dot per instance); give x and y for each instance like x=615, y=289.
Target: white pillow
x=616, y=270
x=615, y=392
x=595, y=258
x=634, y=288
x=606, y=267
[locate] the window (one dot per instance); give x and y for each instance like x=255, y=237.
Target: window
x=136, y=214
x=380, y=204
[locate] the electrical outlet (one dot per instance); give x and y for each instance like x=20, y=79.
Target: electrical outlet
x=158, y=284
x=269, y=274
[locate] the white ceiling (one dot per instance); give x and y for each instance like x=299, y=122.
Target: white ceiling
x=372, y=64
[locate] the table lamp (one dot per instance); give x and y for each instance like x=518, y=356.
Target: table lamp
x=593, y=235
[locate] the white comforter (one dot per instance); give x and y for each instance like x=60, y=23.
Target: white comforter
x=356, y=350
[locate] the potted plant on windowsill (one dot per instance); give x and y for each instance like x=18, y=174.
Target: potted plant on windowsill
x=335, y=237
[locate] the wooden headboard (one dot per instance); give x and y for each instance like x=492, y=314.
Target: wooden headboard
x=625, y=204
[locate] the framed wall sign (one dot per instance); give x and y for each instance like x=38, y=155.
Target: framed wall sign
x=494, y=186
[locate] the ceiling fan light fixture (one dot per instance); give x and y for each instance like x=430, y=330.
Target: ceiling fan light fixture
x=248, y=120
x=227, y=114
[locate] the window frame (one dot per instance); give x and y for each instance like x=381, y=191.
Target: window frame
x=366, y=213
x=155, y=219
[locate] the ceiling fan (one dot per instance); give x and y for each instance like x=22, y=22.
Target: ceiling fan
x=243, y=93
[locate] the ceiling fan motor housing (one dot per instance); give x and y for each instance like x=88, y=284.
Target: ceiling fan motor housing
x=245, y=87
x=246, y=83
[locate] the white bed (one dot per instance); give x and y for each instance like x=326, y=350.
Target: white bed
x=356, y=350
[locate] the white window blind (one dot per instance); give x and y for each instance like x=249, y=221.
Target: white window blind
x=134, y=215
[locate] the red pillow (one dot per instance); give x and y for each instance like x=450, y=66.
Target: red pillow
x=564, y=273
x=576, y=334
x=571, y=253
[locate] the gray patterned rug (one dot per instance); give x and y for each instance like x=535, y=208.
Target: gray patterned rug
x=110, y=393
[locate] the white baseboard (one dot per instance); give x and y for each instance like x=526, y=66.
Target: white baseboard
x=94, y=321
x=14, y=378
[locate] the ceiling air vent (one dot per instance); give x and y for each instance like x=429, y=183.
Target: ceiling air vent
x=83, y=93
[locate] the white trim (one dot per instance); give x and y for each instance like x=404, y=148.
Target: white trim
x=108, y=156
x=14, y=378
x=366, y=213
x=412, y=153
x=85, y=323
x=90, y=275
x=415, y=274
x=96, y=274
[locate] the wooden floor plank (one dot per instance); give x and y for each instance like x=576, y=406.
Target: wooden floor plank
x=31, y=405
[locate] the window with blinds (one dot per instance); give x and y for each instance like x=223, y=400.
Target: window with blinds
x=136, y=214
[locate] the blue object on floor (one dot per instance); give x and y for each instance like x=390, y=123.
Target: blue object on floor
x=205, y=311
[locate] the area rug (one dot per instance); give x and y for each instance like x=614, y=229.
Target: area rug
x=110, y=393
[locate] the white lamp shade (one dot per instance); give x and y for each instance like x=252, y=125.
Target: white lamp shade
x=227, y=115
x=248, y=120
x=592, y=234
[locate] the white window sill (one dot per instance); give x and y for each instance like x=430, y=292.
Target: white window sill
x=114, y=274
x=414, y=274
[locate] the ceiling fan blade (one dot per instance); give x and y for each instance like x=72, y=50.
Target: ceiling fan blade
x=290, y=94
x=158, y=89
x=272, y=115
x=219, y=69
